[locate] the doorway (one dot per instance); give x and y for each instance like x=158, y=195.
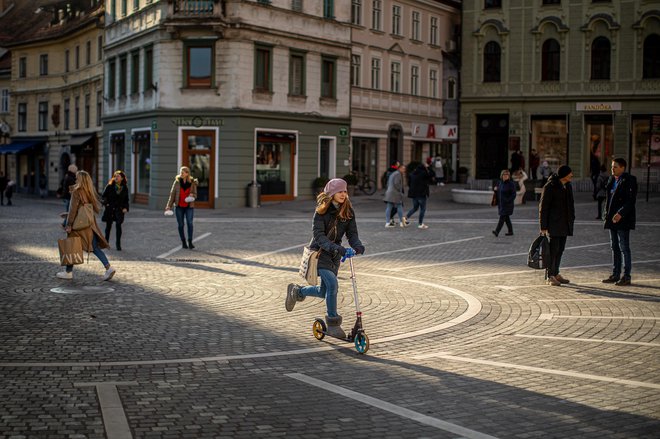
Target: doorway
x=492, y=145
x=275, y=164
x=599, y=137
x=198, y=154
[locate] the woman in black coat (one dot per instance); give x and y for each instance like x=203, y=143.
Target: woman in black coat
x=419, y=192
x=115, y=200
x=334, y=218
x=506, y=197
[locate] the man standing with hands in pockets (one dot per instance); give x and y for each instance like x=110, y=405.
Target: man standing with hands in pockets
x=620, y=219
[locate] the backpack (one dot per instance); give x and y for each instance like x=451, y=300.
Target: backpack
x=539, y=252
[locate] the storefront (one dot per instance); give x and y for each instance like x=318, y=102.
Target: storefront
x=549, y=139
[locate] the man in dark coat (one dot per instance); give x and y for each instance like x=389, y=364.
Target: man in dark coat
x=556, y=217
x=3, y=186
x=620, y=219
x=418, y=190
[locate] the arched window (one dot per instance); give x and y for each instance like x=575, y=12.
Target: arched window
x=492, y=60
x=600, y=58
x=651, y=57
x=550, y=60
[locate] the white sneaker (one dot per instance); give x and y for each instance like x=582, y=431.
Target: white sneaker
x=64, y=275
x=422, y=226
x=109, y=273
x=403, y=225
x=442, y=184
x=388, y=225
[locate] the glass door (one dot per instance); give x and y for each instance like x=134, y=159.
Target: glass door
x=198, y=153
x=274, y=162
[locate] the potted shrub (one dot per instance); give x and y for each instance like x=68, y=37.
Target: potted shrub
x=462, y=174
x=351, y=181
x=318, y=184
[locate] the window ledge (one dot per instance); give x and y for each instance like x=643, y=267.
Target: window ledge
x=297, y=98
x=192, y=89
x=328, y=101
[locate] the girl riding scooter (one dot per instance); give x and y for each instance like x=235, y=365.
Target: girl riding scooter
x=333, y=218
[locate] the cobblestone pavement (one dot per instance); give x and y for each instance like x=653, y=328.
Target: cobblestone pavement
x=466, y=341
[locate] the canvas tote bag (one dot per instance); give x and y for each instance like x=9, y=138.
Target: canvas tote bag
x=71, y=251
x=309, y=265
x=84, y=218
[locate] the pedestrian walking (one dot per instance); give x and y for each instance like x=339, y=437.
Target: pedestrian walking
x=386, y=177
x=556, y=217
x=3, y=186
x=394, y=197
x=91, y=237
x=515, y=161
x=438, y=167
x=420, y=179
x=545, y=172
x=43, y=185
x=601, y=193
x=620, y=217
x=506, y=197
x=333, y=218
x=182, y=197
x=519, y=178
x=66, y=187
x=115, y=200
x=534, y=162
x=9, y=191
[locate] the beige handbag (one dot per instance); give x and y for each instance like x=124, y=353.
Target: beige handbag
x=71, y=251
x=84, y=218
x=309, y=265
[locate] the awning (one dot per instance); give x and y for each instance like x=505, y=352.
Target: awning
x=20, y=146
x=79, y=140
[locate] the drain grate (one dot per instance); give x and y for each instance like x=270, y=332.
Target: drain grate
x=82, y=290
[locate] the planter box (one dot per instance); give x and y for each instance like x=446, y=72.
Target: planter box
x=469, y=196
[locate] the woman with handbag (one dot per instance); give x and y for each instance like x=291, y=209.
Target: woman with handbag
x=81, y=222
x=182, y=195
x=506, y=196
x=115, y=200
x=333, y=218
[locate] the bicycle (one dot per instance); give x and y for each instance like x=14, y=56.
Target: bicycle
x=366, y=184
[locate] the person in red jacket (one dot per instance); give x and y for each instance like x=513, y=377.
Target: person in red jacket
x=182, y=196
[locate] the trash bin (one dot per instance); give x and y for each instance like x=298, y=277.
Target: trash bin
x=253, y=194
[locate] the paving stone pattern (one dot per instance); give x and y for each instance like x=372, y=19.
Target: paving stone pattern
x=200, y=346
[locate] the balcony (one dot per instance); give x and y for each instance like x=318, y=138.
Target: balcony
x=195, y=8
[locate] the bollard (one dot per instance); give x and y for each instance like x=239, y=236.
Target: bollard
x=253, y=194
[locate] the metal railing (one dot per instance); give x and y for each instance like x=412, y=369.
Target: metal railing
x=192, y=8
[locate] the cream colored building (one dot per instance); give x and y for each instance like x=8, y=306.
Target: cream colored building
x=401, y=83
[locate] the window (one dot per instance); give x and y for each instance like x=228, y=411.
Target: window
x=4, y=101
x=112, y=79
x=355, y=70
x=297, y=5
x=375, y=73
x=551, y=2
x=433, y=83
x=77, y=56
x=651, y=67
x=414, y=80
x=550, y=60
x=297, y=74
x=396, y=20
x=113, y=9
x=356, y=12
x=492, y=59
x=99, y=107
x=99, y=48
x=451, y=88
x=135, y=72
x=22, y=117
x=136, y=5
x=199, y=62
x=395, y=77
x=415, y=26
x=600, y=58
x=262, y=68
x=76, y=113
x=67, y=113
x=123, y=72
x=328, y=78
x=43, y=116
x=142, y=145
x=434, y=31
x=488, y=4
x=329, y=9
x=376, y=14
x=66, y=60
x=88, y=101
x=123, y=8
x=22, y=67
x=148, y=68
x=88, y=53
x=43, y=65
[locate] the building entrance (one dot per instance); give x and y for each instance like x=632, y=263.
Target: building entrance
x=492, y=145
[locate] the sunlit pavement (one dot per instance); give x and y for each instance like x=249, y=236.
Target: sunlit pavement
x=466, y=341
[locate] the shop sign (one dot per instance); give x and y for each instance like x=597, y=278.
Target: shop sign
x=343, y=131
x=197, y=121
x=598, y=106
x=435, y=131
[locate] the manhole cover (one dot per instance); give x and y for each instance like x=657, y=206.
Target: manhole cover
x=81, y=290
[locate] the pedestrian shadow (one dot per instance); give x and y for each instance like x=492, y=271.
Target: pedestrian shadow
x=196, y=265
x=603, y=292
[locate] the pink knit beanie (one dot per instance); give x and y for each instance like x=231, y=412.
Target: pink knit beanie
x=335, y=185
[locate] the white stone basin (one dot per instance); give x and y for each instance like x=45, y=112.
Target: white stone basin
x=470, y=196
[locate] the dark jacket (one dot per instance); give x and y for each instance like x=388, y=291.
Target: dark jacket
x=506, y=196
x=557, y=208
x=419, y=182
x=68, y=181
x=601, y=183
x=621, y=201
x=329, y=240
x=3, y=183
x=114, y=203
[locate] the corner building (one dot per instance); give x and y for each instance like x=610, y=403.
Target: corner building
x=568, y=79
x=237, y=90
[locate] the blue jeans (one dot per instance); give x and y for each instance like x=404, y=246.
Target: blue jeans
x=188, y=212
x=326, y=290
x=620, y=240
x=66, y=208
x=399, y=211
x=97, y=252
x=418, y=203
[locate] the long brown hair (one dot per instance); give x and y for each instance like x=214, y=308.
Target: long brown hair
x=87, y=192
x=124, y=180
x=323, y=202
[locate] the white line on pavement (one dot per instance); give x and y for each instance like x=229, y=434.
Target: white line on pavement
x=112, y=411
x=176, y=249
x=419, y=246
x=566, y=373
x=271, y=252
x=392, y=408
x=589, y=340
x=555, y=316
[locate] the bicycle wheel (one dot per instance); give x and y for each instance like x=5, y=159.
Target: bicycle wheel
x=369, y=187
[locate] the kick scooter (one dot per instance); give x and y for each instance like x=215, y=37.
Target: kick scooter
x=357, y=334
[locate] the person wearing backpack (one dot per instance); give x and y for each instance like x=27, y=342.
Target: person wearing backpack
x=506, y=197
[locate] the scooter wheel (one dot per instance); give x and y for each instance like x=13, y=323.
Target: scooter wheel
x=361, y=343
x=319, y=329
